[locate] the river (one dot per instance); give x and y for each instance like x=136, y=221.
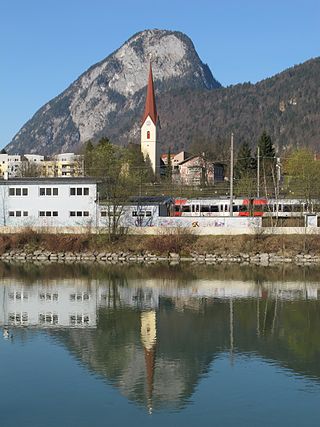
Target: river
x=158, y=345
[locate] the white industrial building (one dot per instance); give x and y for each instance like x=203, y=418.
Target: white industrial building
x=48, y=202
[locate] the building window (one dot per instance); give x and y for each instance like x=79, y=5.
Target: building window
x=47, y=296
x=79, y=191
x=18, y=191
x=148, y=134
x=79, y=319
x=48, y=191
x=18, y=213
x=104, y=213
x=48, y=319
x=79, y=213
x=48, y=213
x=18, y=318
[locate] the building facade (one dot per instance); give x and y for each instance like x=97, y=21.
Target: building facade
x=196, y=171
x=31, y=165
x=48, y=202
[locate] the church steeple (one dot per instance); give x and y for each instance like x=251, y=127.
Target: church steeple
x=150, y=106
x=149, y=146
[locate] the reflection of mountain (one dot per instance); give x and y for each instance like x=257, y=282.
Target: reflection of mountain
x=183, y=351
x=189, y=339
x=154, y=339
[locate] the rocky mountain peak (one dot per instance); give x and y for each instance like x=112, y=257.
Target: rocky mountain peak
x=107, y=99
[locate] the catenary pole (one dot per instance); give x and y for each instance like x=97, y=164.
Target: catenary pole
x=231, y=175
x=258, y=172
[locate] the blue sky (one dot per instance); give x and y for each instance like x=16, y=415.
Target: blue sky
x=46, y=44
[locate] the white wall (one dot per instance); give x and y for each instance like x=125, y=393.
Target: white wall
x=150, y=146
x=33, y=203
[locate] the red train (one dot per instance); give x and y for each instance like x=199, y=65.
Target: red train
x=241, y=207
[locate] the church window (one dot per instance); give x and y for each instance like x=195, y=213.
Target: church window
x=148, y=134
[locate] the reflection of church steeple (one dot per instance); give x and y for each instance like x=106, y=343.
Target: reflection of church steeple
x=148, y=339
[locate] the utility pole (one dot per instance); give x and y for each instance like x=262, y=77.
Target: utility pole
x=258, y=172
x=231, y=175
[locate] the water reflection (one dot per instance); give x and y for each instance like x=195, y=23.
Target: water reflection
x=153, y=334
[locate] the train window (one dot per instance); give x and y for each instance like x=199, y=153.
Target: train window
x=243, y=208
x=226, y=208
x=297, y=208
x=235, y=208
x=197, y=208
x=258, y=208
x=205, y=208
x=185, y=208
x=214, y=208
x=148, y=213
x=286, y=208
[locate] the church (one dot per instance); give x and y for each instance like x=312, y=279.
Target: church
x=149, y=128
x=190, y=170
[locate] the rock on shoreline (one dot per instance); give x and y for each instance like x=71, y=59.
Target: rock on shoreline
x=263, y=259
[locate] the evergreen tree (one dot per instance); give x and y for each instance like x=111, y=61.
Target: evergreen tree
x=268, y=176
x=88, y=158
x=246, y=164
x=266, y=147
x=168, y=173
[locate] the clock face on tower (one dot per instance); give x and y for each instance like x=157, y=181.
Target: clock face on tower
x=148, y=122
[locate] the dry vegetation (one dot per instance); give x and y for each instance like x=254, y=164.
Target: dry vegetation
x=178, y=242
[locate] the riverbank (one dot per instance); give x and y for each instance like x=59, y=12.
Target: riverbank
x=173, y=248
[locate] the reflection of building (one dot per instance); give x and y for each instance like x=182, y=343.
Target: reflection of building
x=48, y=306
x=148, y=339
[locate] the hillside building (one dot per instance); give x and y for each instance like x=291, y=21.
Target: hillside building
x=31, y=165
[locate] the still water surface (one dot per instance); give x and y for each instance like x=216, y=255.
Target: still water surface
x=158, y=345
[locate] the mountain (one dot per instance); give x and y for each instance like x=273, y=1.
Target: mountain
x=108, y=98
x=287, y=106
x=195, y=110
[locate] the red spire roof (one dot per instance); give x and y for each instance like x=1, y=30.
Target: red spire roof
x=150, y=108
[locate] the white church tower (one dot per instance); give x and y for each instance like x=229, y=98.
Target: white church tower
x=149, y=146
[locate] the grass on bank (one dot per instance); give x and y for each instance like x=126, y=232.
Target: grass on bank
x=178, y=242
